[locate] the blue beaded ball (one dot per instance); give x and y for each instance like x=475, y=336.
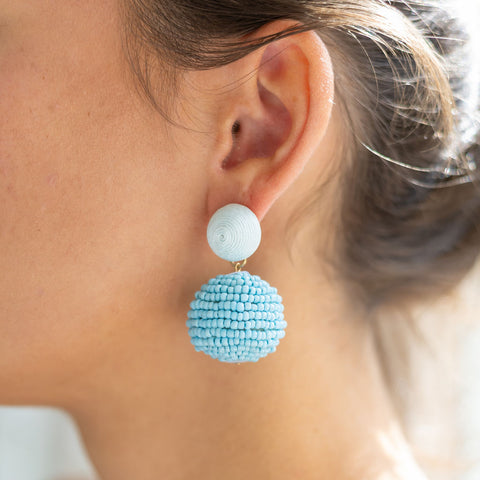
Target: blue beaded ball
x=236, y=318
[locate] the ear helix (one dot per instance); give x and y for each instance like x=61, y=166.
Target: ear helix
x=236, y=317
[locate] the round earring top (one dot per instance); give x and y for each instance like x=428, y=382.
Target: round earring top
x=234, y=232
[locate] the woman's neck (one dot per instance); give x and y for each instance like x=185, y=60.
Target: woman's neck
x=316, y=408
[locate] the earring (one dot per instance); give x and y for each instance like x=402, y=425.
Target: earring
x=236, y=317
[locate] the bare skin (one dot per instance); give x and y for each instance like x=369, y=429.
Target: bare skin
x=104, y=215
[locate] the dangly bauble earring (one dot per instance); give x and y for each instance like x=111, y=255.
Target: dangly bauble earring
x=236, y=317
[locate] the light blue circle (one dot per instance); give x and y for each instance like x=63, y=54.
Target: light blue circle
x=234, y=232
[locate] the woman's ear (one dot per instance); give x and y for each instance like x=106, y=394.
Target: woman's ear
x=271, y=121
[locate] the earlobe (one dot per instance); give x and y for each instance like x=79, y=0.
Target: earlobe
x=281, y=114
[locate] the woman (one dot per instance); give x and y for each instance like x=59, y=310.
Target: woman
x=125, y=125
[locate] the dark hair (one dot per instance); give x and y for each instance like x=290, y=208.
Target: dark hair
x=410, y=207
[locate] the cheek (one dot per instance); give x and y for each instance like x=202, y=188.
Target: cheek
x=50, y=193
x=72, y=223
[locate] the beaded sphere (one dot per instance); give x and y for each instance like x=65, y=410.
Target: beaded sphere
x=236, y=318
x=234, y=232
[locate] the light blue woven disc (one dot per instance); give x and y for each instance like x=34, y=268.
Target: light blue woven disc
x=237, y=317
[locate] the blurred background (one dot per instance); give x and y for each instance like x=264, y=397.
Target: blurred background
x=41, y=444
